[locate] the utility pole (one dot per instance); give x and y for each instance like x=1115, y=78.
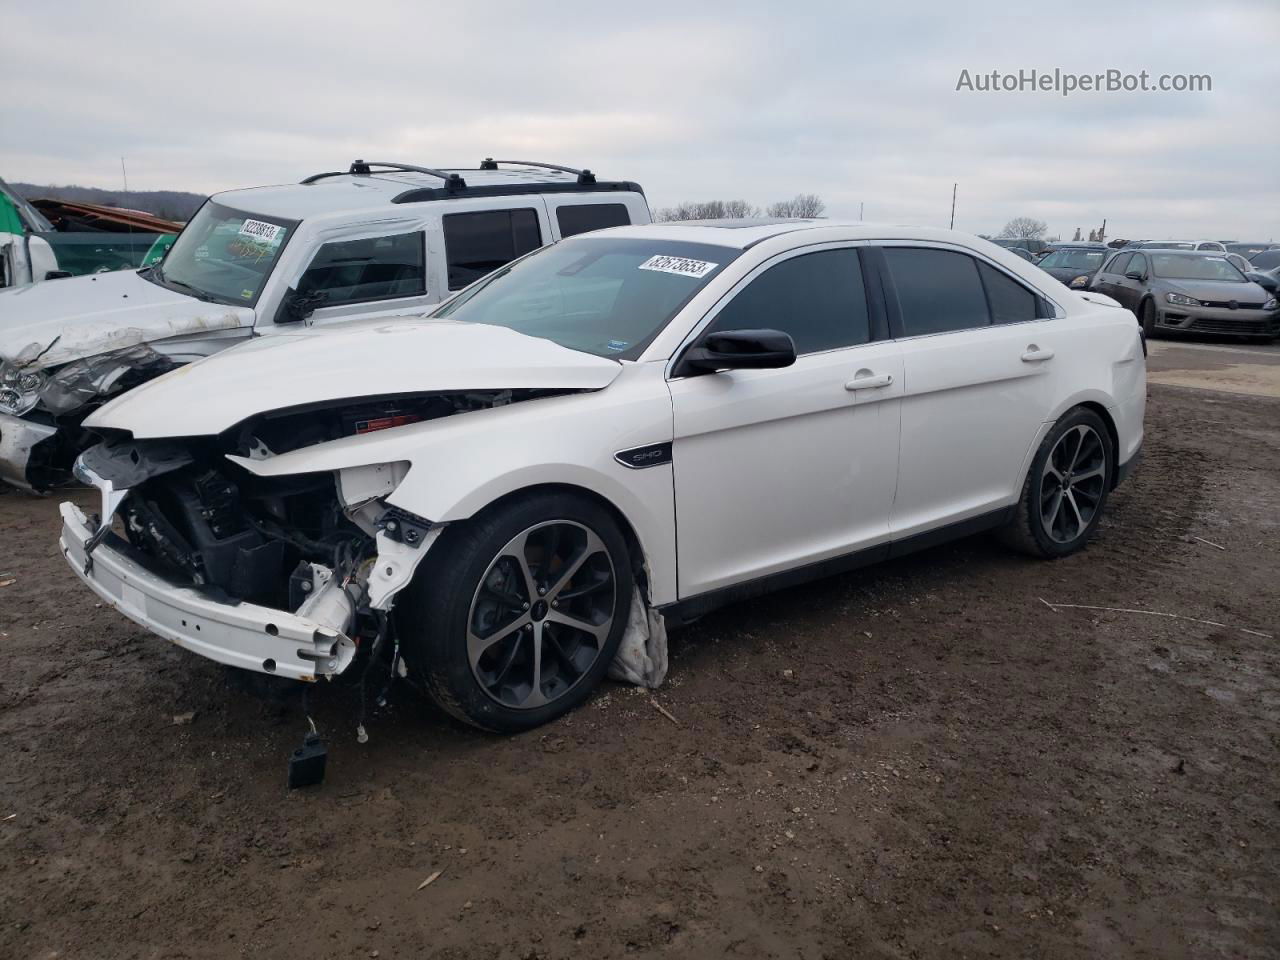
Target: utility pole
x=860, y=206
x=953, y=205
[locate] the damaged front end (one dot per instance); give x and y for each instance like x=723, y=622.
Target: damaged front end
x=41, y=410
x=287, y=575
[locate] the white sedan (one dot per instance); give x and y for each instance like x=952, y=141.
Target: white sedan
x=674, y=416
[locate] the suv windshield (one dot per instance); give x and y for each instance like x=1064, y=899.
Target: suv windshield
x=1082, y=260
x=224, y=255
x=1173, y=267
x=609, y=296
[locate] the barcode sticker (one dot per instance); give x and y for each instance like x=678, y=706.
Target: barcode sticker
x=258, y=230
x=679, y=265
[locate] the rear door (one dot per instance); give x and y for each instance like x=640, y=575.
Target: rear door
x=1105, y=281
x=978, y=351
x=1127, y=290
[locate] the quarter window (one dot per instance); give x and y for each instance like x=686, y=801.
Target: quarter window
x=817, y=298
x=938, y=290
x=583, y=217
x=376, y=268
x=1010, y=301
x=478, y=243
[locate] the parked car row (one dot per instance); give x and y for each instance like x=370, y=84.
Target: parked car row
x=634, y=422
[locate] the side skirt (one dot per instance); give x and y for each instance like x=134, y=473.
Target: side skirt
x=691, y=608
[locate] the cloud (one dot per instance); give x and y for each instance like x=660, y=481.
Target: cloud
x=750, y=99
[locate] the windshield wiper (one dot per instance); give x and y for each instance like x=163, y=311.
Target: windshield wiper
x=198, y=294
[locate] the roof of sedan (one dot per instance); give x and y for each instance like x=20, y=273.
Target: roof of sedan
x=744, y=233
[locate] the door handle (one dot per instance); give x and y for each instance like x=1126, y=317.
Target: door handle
x=869, y=381
x=1035, y=355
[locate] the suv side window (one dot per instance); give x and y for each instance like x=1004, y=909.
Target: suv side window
x=1118, y=264
x=583, y=217
x=478, y=243
x=818, y=298
x=375, y=268
x=1010, y=301
x=938, y=290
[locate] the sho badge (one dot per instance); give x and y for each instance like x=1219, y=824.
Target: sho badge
x=652, y=455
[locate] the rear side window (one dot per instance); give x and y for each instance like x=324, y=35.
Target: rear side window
x=478, y=243
x=583, y=217
x=377, y=268
x=1010, y=301
x=818, y=298
x=938, y=291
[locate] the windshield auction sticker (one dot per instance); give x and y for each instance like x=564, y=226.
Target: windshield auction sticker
x=267, y=233
x=679, y=265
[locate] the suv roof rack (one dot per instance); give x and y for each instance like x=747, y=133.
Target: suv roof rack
x=584, y=176
x=361, y=168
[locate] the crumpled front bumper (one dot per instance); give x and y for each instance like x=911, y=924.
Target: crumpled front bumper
x=239, y=635
x=18, y=437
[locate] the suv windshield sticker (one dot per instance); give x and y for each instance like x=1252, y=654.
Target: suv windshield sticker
x=679, y=265
x=267, y=233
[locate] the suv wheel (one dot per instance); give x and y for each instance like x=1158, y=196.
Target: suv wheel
x=515, y=615
x=1065, y=489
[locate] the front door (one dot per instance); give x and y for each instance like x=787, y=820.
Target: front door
x=775, y=469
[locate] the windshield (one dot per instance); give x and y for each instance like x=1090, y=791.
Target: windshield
x=1086, y=261
x=1173, y=267
x=224, y=255
x=609, y=296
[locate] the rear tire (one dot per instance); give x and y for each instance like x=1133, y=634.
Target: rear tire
x=515, y=615
x=1066, y=488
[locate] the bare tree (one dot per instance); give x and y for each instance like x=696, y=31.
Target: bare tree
x=708, y=210
x=801, y=205
x=1024, y=228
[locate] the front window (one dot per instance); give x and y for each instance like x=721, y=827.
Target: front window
x=224, y=255
x=608, y=296
x=1195, y=268
x=1086, y=261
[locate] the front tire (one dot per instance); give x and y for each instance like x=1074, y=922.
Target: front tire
x=1066, y=488
x=1148, y=315
x=515, y=615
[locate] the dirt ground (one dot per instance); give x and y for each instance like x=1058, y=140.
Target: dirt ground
x=918, y=760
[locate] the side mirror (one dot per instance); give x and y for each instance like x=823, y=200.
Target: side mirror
x=295, y=307
x=1135, y=275
x=738, y=350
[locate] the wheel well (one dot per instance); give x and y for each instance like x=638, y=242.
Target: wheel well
x=628, y=531
x=1112, y=434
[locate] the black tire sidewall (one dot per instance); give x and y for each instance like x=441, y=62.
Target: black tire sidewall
x=1045, y=544
x=1147, y=318
x=432, y=623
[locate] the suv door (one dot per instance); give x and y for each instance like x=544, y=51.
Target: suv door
x=379, y=275
x=978, y=357
x=775, y=469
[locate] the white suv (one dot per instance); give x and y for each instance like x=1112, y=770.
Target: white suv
x=380, y=239
x=666, y=417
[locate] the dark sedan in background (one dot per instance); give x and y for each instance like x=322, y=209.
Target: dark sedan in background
x=1188, y=291
x=1075, y=263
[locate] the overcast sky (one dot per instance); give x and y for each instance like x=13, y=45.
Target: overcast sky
x=854, y=102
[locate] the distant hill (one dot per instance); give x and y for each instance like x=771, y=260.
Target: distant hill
x=169, y=204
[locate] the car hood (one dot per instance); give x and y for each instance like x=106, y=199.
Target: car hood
x=78, y=317
x=1218, y=291
x=352, y=361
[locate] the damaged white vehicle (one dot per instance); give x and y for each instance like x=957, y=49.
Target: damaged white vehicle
x=379, y=239
x=638, y=423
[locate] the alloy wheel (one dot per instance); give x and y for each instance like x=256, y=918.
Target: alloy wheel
x=1072, y=483
x=542, y=614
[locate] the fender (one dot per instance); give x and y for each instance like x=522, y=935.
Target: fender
x=458, y=465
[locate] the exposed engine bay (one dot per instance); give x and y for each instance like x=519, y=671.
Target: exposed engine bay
x=305, y=544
